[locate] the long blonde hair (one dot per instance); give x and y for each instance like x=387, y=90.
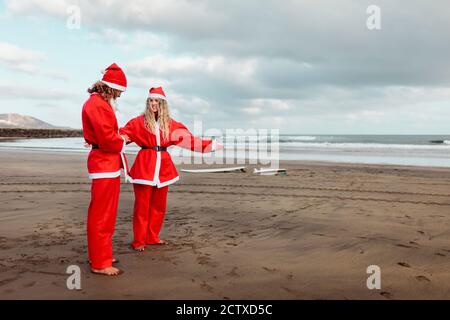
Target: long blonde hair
x=163, y=118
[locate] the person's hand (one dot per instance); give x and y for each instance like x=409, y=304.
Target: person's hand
x=218, y=147
x=87, y=145
x=126, y=138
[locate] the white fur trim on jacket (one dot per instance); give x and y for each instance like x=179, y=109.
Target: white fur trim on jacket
x=158, y=154
x=157, y=184
x=103, y=175
x=124, y=144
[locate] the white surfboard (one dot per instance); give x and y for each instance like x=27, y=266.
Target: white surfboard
x=269, y=171
x=215, y=170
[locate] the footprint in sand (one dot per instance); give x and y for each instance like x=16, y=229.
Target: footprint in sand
x=422, y=278
x=404, y=264
x=270, y=270
x=386, y=294
x=206, y=287
x=6, y=281
x=405, y=246
x=203, y=260
x=231, y=244
x=292, y=291
x=29, y=284
x=233, y=272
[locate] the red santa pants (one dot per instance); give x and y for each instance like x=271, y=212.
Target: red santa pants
x=149, y=211
x=101, y=220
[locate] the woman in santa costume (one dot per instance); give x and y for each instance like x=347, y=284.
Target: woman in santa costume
x=104, y=163
x=153, y=170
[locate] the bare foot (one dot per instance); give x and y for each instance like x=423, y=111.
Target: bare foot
x=161, y=241
x=110, y=271
x=113, y=261
x=139, y=248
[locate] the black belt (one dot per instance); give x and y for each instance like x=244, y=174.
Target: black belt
x=156, y=148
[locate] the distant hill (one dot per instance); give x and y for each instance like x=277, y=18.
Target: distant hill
x=14, y=120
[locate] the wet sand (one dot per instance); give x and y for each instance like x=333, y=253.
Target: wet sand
x=308, y=235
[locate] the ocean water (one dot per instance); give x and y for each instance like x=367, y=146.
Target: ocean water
x=420, y=150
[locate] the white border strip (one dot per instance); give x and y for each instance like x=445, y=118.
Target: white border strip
x=157, y=96
x=159, y=184
x=142, y=181
x=166, y=183
x=114, y=85
x=158, y=154
x=103, y=175
x=124, y=143
x=125, y=169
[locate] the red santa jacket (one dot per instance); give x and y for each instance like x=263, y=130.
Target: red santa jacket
x=101, y=130
x=155, y=168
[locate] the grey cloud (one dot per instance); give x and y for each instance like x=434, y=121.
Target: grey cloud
x=410, y=49
x=317, y=56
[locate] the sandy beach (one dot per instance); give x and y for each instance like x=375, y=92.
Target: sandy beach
x=308, y=235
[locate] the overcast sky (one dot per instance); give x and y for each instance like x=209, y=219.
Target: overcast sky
x=299, y=66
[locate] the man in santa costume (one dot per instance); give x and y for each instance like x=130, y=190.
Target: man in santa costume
x=104, y=163
x=153, y=170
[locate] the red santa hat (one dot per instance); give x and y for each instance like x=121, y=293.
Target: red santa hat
x=157, y=93
x=114, y=77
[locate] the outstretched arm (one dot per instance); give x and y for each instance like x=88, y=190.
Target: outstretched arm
x=182, y=137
